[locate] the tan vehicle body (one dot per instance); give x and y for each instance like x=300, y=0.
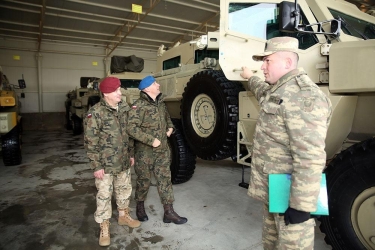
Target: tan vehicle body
x=78, y=102
x=204, y=93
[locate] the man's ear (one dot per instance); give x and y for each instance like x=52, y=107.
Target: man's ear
x=288, y=63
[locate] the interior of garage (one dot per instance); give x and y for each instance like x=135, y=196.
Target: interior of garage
x=52, y=43
x=47, y=202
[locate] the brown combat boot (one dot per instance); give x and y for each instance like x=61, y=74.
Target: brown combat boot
x=104, y=237
x=141, y=213
x=171, y=216
x=124, y=219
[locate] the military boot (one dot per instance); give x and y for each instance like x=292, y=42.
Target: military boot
x=171, y=216
x=141, y=213
x=104, y=237
x=124, y=219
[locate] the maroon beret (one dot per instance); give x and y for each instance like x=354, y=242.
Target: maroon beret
x=109, y=84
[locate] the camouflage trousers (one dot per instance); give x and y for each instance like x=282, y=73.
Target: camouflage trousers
x=276, y=235
x=157, y=163
x=121, y=183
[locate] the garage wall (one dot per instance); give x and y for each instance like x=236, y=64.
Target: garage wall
x=60, y=70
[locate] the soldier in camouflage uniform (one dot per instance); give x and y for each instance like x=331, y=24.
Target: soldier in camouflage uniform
x=149, y=124
x=111, y=154
x=289, y=138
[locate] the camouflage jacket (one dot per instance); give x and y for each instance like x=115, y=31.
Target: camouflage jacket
x=149, y=119
x=106, y=141
x=290, y=137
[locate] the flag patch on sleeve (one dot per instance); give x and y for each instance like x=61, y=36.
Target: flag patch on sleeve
x=89, y=115
x=134, y=107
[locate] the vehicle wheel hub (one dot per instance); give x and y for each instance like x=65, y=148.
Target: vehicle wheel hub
x=204, y=115
x=363, y=217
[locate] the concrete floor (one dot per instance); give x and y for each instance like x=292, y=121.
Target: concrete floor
x=48, y=203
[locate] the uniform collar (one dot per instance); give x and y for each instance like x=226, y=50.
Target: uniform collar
x=120, y=105
x=145, y=96
x=287, y=77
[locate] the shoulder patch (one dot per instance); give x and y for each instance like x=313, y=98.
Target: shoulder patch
x=302, y=82
x=134, y=107
x=305, y=83
x=89, y=115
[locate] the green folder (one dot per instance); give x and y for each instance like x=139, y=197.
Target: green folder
x=279, y=191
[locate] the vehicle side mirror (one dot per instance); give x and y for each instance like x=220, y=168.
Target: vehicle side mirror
x=335, y=27
x=287, y=17
x=289, y=21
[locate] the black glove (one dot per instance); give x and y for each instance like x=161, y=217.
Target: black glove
x=293, y=216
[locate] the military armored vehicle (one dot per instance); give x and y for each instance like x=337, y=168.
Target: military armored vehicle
x=10, y=121
x=79, y=101
x=207, y=95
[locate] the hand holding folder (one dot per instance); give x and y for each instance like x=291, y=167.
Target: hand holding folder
x=279, y=191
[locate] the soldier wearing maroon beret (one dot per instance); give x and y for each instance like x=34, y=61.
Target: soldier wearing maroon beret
x=110, y=152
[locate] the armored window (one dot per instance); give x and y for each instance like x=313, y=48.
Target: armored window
x=172, y=63
x=129, y=83
x=201, y=54
x=353, y=26
x=262, y=20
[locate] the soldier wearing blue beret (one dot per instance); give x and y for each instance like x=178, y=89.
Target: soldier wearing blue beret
x=149, y=124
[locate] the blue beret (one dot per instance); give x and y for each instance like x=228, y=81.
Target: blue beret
x=147, y=81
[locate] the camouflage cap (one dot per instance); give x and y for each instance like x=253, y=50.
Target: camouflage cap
x=278, y=44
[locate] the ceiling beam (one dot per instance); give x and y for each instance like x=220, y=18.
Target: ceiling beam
x=83, y=38
x=207, y=3
x=199, y=28
x=90, y=14
x=130, y=26
x=204, y=24
x=195, y=6
x=41, y=23
x=162, y=28
x=129, y=10
x=77, y=31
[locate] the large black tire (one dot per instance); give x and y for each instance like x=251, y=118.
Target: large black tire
x=209, y=112
x=77, y=125
x=68, y=122
x=351, y=198
x=11, y=147
x=183, y=160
